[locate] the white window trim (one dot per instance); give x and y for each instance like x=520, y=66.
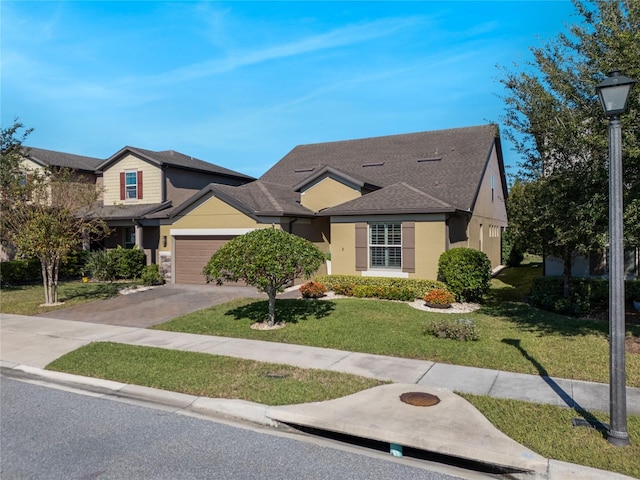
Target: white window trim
x=390, y=273
x=126, y=186
x=192, y=232
x=381, y=271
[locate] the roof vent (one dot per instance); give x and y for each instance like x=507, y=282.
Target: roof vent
x=304, y=170
x=429, y=159
x=374, y=164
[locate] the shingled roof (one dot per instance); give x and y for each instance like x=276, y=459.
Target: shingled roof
x=423, y=172
x=174, y=159
x=50, y=158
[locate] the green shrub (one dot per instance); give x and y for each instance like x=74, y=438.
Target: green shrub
x=402, y=287
x=102, y=266
x=72, y=265
x=585, y=294
x=151, y=275
x=382, y=292
x=632, y=290
x=18, y=272
x=462, y=329
x=312, y=290
x=129, y=261
x=466, y=272
x=512, y=255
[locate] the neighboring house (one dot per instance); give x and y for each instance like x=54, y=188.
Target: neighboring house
x=37, y=159
x=596, y=264
x=383, y=206
x=137, y=184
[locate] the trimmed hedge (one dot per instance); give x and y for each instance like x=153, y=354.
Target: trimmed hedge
x=585, y=294
x=466, y=272
x=379, y=287
x=18, y=272
x=26, y=271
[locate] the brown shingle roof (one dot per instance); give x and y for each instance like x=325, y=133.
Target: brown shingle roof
x=447, y=165
x=60, y=159
x=175, y=159
x=399, y=197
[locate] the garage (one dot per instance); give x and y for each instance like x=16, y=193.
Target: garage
x=191, y=255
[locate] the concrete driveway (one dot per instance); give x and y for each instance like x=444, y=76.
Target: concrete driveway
x=143, y=309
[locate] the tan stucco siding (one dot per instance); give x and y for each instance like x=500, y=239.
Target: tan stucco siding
x=211, y=213
x=430, y=244
x=489, y=214
x=327, y=193
x=488, y=204
x=343, y=249
x=151, y=181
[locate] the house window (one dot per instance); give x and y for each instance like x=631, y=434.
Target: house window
x=131, y=185
x=129, y=237
x=385, y=245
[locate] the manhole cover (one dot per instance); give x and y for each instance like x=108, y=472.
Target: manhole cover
x=419, y=399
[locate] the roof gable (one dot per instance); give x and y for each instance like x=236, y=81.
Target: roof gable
x=448, y=164
x=396, y=198
x=173, y=159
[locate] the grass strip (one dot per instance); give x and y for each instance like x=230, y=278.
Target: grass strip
x=209, y=375
x=548, y=430
x=513, y=336
x=28, y=299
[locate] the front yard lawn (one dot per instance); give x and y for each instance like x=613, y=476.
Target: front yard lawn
x=513, y=336
x=211, y=376
x=28, y=299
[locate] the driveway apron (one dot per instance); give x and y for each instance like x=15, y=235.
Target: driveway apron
x=146, y=308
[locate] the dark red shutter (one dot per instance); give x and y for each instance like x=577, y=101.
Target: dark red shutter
x=139, y=184
x=122, y=186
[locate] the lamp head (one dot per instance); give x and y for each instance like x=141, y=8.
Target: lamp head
x=614, y=93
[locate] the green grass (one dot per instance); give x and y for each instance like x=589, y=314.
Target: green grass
x=513, y=336
x=209, y=375
x=28, y=299
x=548, y=431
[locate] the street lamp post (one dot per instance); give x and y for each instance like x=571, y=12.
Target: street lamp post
x=614, y=92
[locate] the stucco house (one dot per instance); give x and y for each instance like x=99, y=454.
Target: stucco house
x=139, y=183
x=383, y=206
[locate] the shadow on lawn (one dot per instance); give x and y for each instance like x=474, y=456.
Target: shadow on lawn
x=83, y=291
x=287, y=310
x=589, y=417
x=535, y=320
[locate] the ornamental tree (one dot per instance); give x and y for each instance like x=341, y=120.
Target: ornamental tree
x=46, y=213
x=268, y=259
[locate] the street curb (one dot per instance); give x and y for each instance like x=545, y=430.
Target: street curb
x=228, y=408
x=141, y=395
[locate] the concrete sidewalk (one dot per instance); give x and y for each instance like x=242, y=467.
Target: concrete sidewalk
x=30, y=343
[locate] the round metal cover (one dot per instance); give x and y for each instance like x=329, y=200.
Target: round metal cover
x=419, y=399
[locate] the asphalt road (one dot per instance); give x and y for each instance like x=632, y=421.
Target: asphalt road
x=52, y=434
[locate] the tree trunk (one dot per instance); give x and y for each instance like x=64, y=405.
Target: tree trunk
x=45, y=281
x=54, y=278
x=50, y=280
x=271, y=293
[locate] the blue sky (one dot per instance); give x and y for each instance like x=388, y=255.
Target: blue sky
x=240, y=84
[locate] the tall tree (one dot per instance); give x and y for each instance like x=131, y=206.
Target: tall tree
x=46, y=213
x=556, y=123
x=268, y=259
